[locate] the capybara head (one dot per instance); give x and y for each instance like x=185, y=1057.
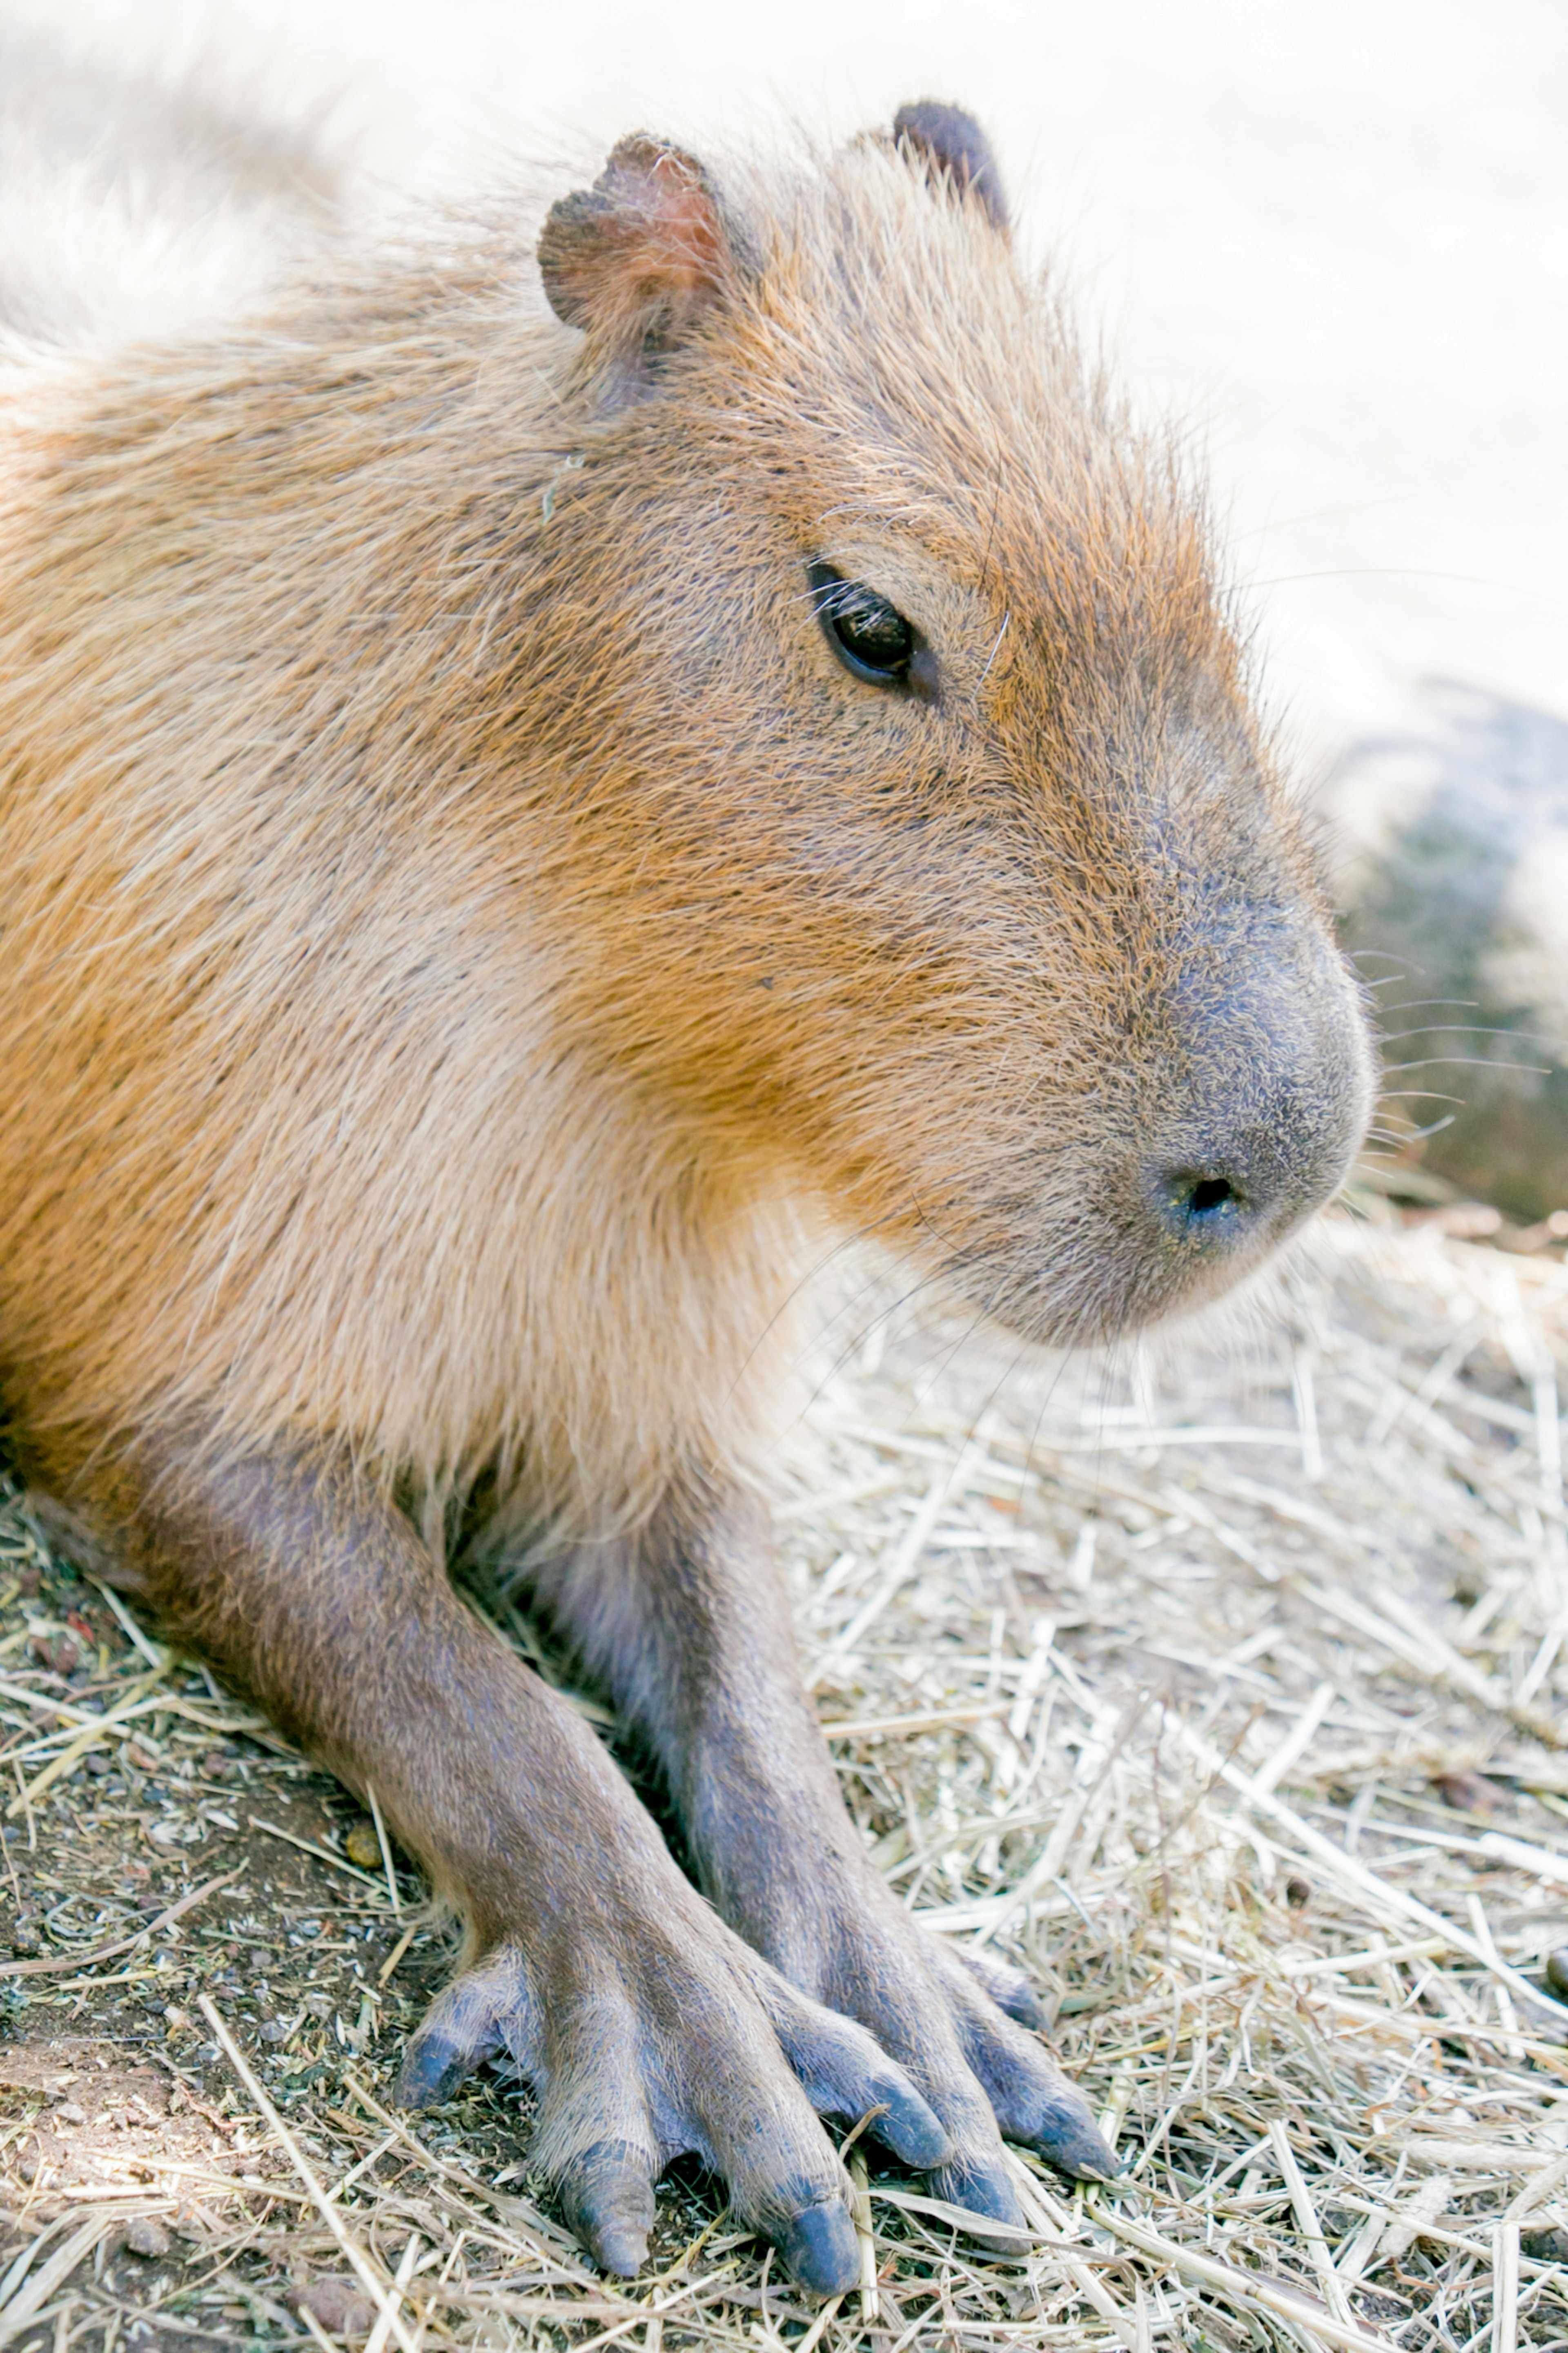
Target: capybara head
x=959, y=886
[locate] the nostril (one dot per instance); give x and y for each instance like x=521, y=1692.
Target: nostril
x=1200, y=1201
x=1211, y=1193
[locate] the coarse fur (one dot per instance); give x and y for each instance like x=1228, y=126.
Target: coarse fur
x=467, y=941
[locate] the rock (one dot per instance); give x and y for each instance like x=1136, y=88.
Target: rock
x=59, y=1652
x=362, y=1846
x=145, y=2235
x=1452, y=877
x=1468, y=1793
x=340, y=2306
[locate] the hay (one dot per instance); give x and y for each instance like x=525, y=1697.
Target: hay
x=1220, y=1687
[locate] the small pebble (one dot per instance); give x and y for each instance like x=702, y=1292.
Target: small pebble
x=145, y=2235
x=59, y=1652
x=1468, y=1793
x=340, y=2307
x=71, y=2112
x=362, y=1846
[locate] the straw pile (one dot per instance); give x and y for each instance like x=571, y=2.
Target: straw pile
x=1223, y=1687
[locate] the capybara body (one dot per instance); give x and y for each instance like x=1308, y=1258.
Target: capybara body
x=524, y=810
x=1453, y=878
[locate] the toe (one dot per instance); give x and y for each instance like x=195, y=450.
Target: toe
x=1007, y=1987
x=607, y=2196
x=980, y=2181
x=461, y=2027
x=1032, y=2100
x=906, y=2126
x=844, y=2073
x=1068, y=2134
x=820, y=2248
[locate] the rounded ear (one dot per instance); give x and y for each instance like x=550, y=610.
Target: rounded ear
x=638, y=259
x=949, y=141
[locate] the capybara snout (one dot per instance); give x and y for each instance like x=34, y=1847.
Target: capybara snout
x=1211, y=1130
x=1261, y=1134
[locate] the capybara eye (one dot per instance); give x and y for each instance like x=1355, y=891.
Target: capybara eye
x=870, y=636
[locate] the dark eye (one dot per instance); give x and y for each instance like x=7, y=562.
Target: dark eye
x=870, y=636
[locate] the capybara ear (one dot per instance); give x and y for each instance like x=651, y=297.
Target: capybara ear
x=636, y=259
x=950, y=141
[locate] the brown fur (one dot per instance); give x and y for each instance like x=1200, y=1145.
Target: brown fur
x=464, y=936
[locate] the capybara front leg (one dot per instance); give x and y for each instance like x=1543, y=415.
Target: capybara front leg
x=647, y=2027
x=689, y=1626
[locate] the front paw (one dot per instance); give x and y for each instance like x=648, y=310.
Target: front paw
x=958, y=2024
x=647, y=2038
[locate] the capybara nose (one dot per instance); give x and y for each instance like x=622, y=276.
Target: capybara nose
x=1262, y=1129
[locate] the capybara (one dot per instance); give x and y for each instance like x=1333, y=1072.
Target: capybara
x=1453, y=876
x=543, y=780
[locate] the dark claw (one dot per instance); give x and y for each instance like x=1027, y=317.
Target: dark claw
x=1007, y=1987
x=462, y=2027
x=608, y=2198
x=1018, y=2001
x=910, y=2129
x=821, y=2248
x=432, y=2066
x=983, y=2187
x=1070, y=2137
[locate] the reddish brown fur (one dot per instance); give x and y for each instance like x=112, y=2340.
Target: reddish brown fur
x=464, y=935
